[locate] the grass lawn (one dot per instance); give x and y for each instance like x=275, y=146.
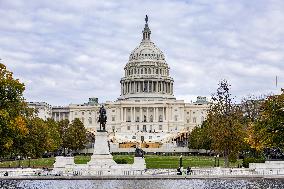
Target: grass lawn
x=152, y=161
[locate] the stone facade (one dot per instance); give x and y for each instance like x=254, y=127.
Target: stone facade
x=43, y=110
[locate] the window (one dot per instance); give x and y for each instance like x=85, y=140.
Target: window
x=90, y=120
x=133, y=137
x=145, y=119
x=151, y=118
x=202, y=119
x=113, y=110
x=176, y=117
x=83, y=113
x=187, y=120
x=113, y=118
x=75, y=113
x=144, y=128
x=160, y=127
x=194, y=120
x=128, y=127
x=160, y=118
x=128, y=119
x=137, y=119
x=137, y=127
x=187, y=112
x=150, y=137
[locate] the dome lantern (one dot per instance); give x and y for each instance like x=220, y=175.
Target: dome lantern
x=146, y=32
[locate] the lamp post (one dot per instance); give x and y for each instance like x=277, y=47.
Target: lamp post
x=215, y=160
x=29, y=161
x=19, y=158
x=218, y=160
x=180, y=161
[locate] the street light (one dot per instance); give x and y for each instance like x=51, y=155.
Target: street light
x=29, y=161
x=19, y=158
x=180, y=161
x=218, y=160
x=215, y=160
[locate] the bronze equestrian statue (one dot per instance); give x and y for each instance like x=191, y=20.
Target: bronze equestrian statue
x=102, y=119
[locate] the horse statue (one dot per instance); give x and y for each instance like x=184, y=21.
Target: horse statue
x=102, y=119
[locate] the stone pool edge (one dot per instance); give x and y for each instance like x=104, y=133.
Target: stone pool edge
x=140, y=177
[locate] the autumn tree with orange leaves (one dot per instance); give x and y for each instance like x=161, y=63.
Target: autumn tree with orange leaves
x=224, y=121
x=12, y=110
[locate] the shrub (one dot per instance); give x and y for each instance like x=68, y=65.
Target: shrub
x=247, y=161
x=121, y=161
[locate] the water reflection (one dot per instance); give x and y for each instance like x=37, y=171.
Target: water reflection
x=146, y=184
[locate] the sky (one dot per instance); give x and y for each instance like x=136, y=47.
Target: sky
x=68, y=51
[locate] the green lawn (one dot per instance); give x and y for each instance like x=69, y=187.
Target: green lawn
x=152, y=161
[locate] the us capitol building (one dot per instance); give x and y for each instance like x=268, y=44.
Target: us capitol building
x=146, y=111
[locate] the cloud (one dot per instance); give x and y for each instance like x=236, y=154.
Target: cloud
x=67, y=51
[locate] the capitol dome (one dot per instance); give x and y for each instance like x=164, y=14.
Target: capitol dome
x=146, y=50
x=146, y=72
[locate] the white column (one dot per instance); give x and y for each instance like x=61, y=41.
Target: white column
x=123, y=87
x=134, y=114
x=121, y=114
x=163, y=114
x=125, y=111
x=141, y=119
x=131, y=118
x=157, y=114
x=147, y=115
x=154, y=112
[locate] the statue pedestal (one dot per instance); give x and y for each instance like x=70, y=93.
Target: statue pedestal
x=139, y=163
x=101, y=157
x=101, y=163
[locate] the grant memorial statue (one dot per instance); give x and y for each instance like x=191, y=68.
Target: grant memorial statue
x=102, y=119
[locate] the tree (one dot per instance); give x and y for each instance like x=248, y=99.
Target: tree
x=200, y=137
x=269, y=129
x=63, y=127
x=12, y=110
x=54, y=140
x=251, y=108
x=224, y=121
x=36, y=143
x=76, y=135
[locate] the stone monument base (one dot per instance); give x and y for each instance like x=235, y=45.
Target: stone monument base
x=101, y=162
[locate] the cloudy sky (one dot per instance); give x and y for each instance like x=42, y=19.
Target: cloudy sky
x=68, y=51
